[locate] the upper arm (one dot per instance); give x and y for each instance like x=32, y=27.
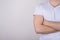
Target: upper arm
x=38, y=17
x=37, y=21
x=38, y=14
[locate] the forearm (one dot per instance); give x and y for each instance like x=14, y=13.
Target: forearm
x=43, y=29
x=55, y=25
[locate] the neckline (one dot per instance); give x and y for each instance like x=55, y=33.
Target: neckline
x=53, y=6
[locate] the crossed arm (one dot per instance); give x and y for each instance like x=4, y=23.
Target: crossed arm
x=43, y=26
x=55, y=25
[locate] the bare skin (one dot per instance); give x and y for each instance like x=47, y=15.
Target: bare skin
x=43, y=26
x=55, y=25
x=39, y=27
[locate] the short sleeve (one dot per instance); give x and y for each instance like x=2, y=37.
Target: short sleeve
x=38, y=10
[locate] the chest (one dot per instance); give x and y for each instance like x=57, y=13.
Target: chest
x=52, y=14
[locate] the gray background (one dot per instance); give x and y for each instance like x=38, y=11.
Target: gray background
x=16, y=19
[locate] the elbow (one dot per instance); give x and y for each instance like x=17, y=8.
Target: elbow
x=38, y=31
x=41, y=32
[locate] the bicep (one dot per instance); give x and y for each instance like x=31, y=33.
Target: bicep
x=37, y=20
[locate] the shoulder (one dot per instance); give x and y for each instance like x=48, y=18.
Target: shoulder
x=41, y=5
x=39, y=9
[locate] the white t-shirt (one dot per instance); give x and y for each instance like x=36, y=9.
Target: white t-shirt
x=51, y=14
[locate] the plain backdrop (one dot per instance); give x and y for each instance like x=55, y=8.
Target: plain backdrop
x=16, y=19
